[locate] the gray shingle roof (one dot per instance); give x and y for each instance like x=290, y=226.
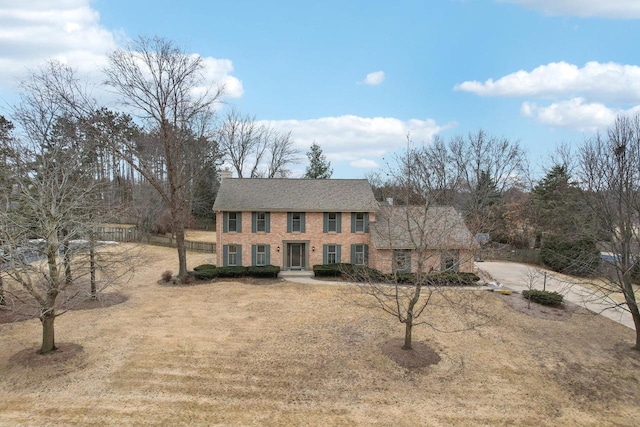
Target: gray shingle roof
x=282, y=194
x=412, y=227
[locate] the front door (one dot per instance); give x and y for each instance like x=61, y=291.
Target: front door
x=296, y=256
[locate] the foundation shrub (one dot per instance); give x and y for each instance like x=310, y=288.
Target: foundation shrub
x=265, y=271
x=543, y=297
x=204, y=267
x=210, y=271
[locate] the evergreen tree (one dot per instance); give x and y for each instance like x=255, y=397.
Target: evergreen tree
x=564, y=234
x=558, y=205
x=319, y=167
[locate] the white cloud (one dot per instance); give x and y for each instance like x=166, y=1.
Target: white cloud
x=584, y=97
x=575, y=113
x=355, y=144
x=364, y=164
x=623, y=9
x=374, y=79
x=34, y=31
x=600, y=81
x=351, y=138
x=219, y=71
x=527, y=109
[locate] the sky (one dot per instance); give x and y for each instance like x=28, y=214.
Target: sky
x=359, y=76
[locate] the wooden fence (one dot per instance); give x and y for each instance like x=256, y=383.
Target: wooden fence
x=125, y=234
x=206, y=224
x=132, y=234
x=171, y=243
x=527, y=256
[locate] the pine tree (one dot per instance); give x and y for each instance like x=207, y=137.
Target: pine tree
x=319, y=167
x=557, y=205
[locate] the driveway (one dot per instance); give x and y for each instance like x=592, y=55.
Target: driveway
x=517, y=277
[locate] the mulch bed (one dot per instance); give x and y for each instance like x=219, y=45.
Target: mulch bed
x=421, y=356
x=30, y=358
x=519, y=303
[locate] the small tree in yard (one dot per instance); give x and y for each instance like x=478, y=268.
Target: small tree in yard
x=421, y=242
x=532, y=278
x=52, y=203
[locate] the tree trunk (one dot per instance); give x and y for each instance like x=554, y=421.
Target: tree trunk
x=180, y=245
x=67, y=259
x=92, y=268
x=178, y=229
x=1, y=289
x=48, y=336
x=408, y=326
x=632, y=304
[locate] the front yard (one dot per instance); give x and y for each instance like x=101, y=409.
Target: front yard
x=229, y=353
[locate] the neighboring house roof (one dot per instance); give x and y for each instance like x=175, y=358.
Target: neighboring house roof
x=282, y=194
x=413, y=227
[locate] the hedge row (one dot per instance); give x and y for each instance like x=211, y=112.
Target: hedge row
x=447, y=278
x=209, y=271
x=359, y=273
x=543, y=297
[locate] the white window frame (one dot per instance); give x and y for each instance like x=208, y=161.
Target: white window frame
x=359, y=253
x=332, y=223
x=261, y=255
x=360, y=222
x=261, y=222
x=296, y=222
x=232, y=254
x=233, y=229
x=332, y=254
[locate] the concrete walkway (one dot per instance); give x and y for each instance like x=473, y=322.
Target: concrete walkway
x=517, y=277
x=306, y=277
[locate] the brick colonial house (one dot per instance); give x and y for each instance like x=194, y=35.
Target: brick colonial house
x=297, y=223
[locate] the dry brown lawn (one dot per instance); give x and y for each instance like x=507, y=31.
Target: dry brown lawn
x=228, y=353
x=200, y=236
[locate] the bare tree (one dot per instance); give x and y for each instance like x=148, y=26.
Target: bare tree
x=52, y=202
x=6, y=135
x=255, y=150
x=165, y=88
x=609, y=171
x=532, y=279
x=487, y=167
x=429, y=173
x=425, y=244
x=281, y=153
x=471, y=173
x=242, y=142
